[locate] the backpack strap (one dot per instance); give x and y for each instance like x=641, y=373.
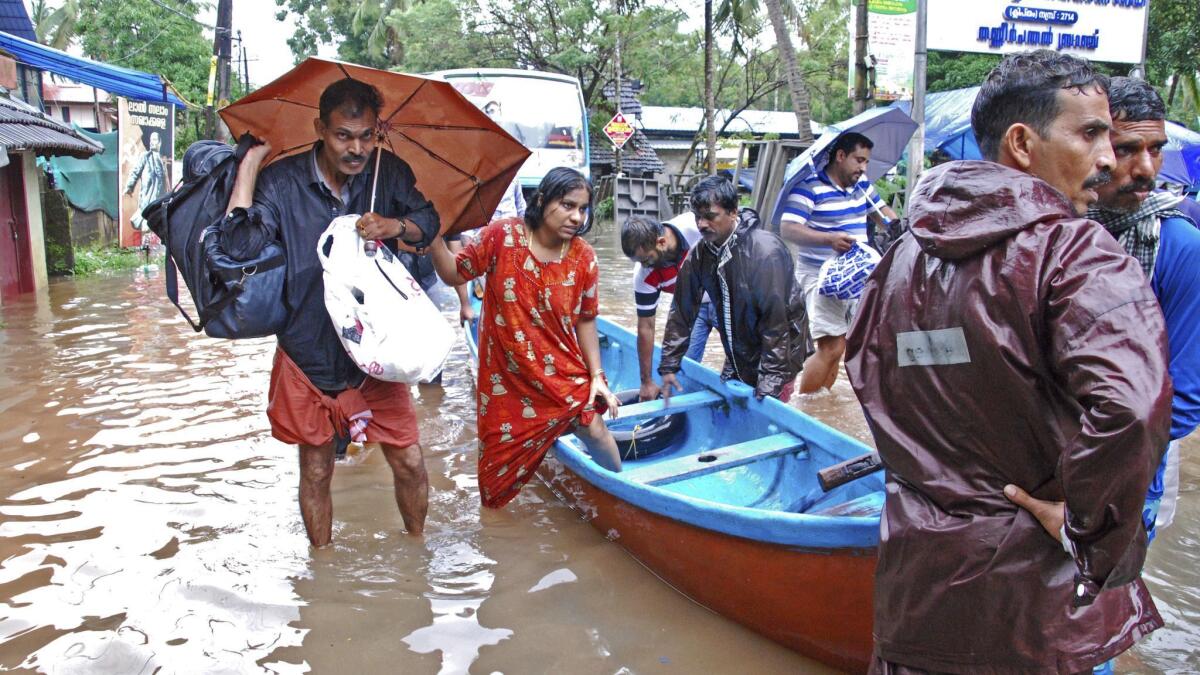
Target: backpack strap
x=172, y=280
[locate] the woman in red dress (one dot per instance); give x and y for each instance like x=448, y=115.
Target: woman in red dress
x=539, y=352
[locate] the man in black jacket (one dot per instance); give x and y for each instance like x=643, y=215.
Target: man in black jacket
x=748, y=273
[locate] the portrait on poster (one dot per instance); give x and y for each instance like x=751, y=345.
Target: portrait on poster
x=146, y=143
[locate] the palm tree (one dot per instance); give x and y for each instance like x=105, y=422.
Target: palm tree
x=55, y=27
x=795, y=80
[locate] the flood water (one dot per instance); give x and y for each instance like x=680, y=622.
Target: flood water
x=148, y=522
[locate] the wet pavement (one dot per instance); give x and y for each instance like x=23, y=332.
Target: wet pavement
x=148, y=521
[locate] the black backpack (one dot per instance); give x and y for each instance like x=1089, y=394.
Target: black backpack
x=233, y=299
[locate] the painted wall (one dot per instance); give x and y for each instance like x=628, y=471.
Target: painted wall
x=33, y=205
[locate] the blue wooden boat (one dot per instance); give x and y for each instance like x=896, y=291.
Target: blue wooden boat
x=729, y=511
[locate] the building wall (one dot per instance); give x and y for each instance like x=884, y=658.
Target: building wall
x=33, y=206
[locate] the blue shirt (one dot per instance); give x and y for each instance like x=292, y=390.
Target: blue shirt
x=822, y=205
x=1176, y=284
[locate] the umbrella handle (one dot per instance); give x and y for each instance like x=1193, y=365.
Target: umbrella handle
x=375, y=178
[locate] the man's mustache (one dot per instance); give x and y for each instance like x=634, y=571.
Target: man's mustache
x=351, y=157
x=1103, y=178
x=1137, y=186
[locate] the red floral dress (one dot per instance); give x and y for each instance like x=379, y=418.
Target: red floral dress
x=533, y=382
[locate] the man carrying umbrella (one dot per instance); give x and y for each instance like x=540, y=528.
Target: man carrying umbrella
x=317, y=392
x=825, y=215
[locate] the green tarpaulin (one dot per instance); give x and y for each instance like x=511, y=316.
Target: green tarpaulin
x=91, y=183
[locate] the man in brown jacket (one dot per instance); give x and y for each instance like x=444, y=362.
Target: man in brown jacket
x=1011, y=361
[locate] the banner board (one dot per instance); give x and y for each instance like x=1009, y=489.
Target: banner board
x=891, y=31
x=1099, y=30
x=146, y=142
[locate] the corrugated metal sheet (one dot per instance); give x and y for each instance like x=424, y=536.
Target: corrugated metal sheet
x=115, y=79
x=15, y=21
x=23, y=127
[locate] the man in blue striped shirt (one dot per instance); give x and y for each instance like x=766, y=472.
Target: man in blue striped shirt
x=825, y=215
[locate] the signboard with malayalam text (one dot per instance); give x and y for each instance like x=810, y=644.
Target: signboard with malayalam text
x=618, y=130
x=146, y=139
x=1099, y=30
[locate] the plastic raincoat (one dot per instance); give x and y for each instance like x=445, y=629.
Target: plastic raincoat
x=1005, y=340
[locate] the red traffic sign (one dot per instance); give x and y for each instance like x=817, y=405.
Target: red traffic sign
x=618, y=130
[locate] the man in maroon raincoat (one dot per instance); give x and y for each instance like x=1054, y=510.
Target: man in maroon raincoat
x=1011, y=361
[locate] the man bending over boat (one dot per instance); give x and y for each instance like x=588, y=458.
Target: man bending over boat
x=748, y=273
x=659, y=250
x=1012, y=364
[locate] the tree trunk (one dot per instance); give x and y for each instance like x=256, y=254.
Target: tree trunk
x=1171, y=91
x=800, y=100
x=710, y=104
x=862, y=26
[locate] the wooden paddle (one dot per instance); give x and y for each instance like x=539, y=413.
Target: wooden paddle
x=851, y=469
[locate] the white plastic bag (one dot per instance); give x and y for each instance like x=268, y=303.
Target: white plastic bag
x=845, y=276
x=387, y=324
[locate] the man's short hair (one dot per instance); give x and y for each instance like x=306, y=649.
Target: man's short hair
x=1024, y=88
x=1134, y=100
x=353, y=97
x=639, y=233
x=848, y=143
x=714, y=191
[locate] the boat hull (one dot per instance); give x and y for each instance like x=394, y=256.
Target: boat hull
x=816, y=602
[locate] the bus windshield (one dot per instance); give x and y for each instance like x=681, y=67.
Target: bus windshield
x=545, y=115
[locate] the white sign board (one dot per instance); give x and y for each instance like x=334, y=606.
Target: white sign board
x=892, y=30
x=1099, y=30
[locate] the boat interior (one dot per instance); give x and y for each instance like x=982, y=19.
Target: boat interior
x=728, y=449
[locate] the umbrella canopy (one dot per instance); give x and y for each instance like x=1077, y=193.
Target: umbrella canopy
x=888, y=128
x=463, y=161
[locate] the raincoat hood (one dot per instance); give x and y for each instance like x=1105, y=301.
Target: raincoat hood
x=962, y=208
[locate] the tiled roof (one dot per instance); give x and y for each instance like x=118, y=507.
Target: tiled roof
x=23, y=127
x=15, y=21
x=630, y=105
x=637, y=157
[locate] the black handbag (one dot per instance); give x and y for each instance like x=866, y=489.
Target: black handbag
x=232, y=298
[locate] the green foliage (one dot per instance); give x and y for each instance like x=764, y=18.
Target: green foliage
x=106, y=259
x=604, y=209
x=435, y=35
x=54, y=27
x=142, y=35
x=956, y=70
x=57, y=258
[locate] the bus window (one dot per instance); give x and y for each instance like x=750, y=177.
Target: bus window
x=543, y=111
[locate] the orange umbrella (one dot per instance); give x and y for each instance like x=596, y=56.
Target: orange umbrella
x=463, y=161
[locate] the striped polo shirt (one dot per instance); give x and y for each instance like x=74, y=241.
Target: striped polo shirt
x=649, y=282
x=820, y=204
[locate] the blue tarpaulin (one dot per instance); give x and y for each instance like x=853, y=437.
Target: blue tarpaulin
x=948, y=128
x=114, y=79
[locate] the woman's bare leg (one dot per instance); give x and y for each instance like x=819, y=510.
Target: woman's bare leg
x=600, y=443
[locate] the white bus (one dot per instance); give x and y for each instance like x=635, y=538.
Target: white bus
x=544, y=111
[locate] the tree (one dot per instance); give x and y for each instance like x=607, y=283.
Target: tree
x=140, y=34
x=55, y=27
x=795, y=80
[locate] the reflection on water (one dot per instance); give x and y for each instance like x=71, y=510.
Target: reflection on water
x=148, y=520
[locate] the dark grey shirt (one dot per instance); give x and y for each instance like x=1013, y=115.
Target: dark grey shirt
x=294, y=205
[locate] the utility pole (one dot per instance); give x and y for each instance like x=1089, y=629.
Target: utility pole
x=710, y=97
x=218, y=74
x=862, y=27
x=916, y=149
x=617, y=88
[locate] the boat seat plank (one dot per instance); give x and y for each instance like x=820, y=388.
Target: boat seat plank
x=718, y=459
x=679, y=403
x=866, y=505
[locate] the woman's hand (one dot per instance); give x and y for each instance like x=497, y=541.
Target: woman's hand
x=600, y=388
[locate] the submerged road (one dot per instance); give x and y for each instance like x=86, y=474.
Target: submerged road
x=148, y=520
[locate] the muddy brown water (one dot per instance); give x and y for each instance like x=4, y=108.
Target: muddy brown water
x=148, y=522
